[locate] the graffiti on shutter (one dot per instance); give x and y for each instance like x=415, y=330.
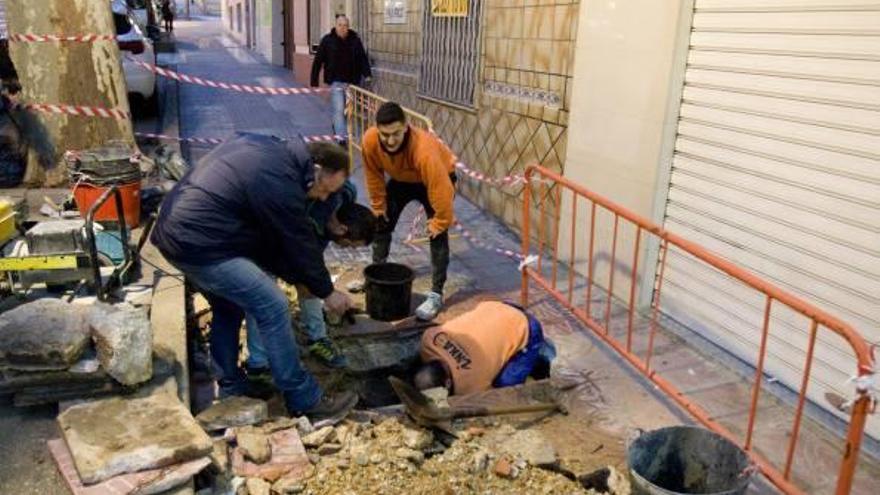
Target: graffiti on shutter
x=450, y=54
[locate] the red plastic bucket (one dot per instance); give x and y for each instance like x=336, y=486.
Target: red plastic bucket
x=86, y=195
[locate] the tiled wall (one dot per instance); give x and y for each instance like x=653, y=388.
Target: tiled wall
x=523, y=94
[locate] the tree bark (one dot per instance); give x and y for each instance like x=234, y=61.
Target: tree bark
x=68, y=73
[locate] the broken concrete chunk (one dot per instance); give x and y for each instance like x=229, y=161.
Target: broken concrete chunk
x=46, y=334
x=414, y=456
x=254, y=444
x=304, y=426
x=531, y=446
x=115, y=436
x=124, y=340
x=329, y=448
x=278, y=424
x=288, y=486
x=360, y=454
x=220, y=456
x=257, y=486
x=232, y=412
x=417, y=439
x=319, y=437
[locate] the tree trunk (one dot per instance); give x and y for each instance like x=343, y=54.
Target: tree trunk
x=68, y=73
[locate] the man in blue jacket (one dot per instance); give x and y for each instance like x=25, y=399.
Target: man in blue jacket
x=235, y=222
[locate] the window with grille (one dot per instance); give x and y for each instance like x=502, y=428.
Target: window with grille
x=450, y=56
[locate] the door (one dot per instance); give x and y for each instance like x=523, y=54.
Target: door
x=287, y=16
x=777, y=168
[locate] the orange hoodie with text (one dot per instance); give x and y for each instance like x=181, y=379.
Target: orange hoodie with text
x=475, y=346
x=423, y=160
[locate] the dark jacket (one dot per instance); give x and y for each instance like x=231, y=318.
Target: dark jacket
x=247, y=198
x=319, y=212
x=344, y=60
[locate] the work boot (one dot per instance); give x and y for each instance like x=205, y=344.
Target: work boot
x=332, y=408
x=428, y=310
x=327, y=353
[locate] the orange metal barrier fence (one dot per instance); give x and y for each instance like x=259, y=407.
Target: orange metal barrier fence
x=565, y=194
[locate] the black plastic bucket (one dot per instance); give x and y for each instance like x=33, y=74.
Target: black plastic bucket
x=687, y=459
x=389, y=291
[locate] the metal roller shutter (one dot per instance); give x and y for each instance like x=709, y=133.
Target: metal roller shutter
x=777, y=168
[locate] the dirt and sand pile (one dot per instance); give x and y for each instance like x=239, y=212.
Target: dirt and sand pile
x=391, y=457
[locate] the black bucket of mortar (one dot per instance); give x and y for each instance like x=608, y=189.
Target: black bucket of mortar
x=687, y=459
x=389, y=291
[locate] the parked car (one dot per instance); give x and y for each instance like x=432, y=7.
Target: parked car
x=140, y=10
x=133, y=43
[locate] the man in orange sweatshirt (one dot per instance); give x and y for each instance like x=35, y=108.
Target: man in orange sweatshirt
x=495, y=344
x=420, y=168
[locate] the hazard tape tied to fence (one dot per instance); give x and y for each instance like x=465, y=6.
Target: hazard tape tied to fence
x=242, y=88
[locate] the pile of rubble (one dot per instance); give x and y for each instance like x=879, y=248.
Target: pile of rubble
x=370, y=453
x=53, y=351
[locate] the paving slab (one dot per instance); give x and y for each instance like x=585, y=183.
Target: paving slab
x=116, y=436
x=149, y=482
x=46, y=334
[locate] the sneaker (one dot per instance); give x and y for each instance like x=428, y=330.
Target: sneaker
x=327, y=352
x=332, y=408
x=428, y=310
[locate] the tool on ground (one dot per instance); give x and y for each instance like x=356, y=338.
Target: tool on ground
x=83, y=258
x=425, y=413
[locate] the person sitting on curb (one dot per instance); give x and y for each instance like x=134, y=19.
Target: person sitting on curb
x=495, y=344
x=420, y=168
x=347, y=224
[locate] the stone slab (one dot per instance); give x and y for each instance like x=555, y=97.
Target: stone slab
x=124, y=341
x=115, y=436
x=289, y=459
x=45, y=334
x=148, y=482
x=232, y=412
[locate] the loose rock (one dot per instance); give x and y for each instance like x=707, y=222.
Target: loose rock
x=232, y=412
x=124, y=341
x=287, y=486
x=46, y=334
x=319, y=437
x=257, y=486
x=503, y=468
x=417, y=439
x=304, y=426
x=254, y=444
x=329, y=448
x=414, y=456
x=278, y=424
x=531, y=446
x=220, y=456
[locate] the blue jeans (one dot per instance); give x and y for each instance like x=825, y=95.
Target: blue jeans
x=337, y=102
x=311, y=318
x=237, y=287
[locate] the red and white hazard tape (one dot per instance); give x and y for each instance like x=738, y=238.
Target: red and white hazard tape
x=48, y=38
x=78, y=110
x=508, y=180
x=214, y=141
x=243, y=88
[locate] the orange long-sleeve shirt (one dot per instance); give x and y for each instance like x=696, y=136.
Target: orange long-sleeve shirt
x=475, y=346
x=424, y=160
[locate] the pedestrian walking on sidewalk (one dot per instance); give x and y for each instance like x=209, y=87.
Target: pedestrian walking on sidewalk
x=421, y=168
x=344, y=60
x=235, y=222
x=168, y=8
